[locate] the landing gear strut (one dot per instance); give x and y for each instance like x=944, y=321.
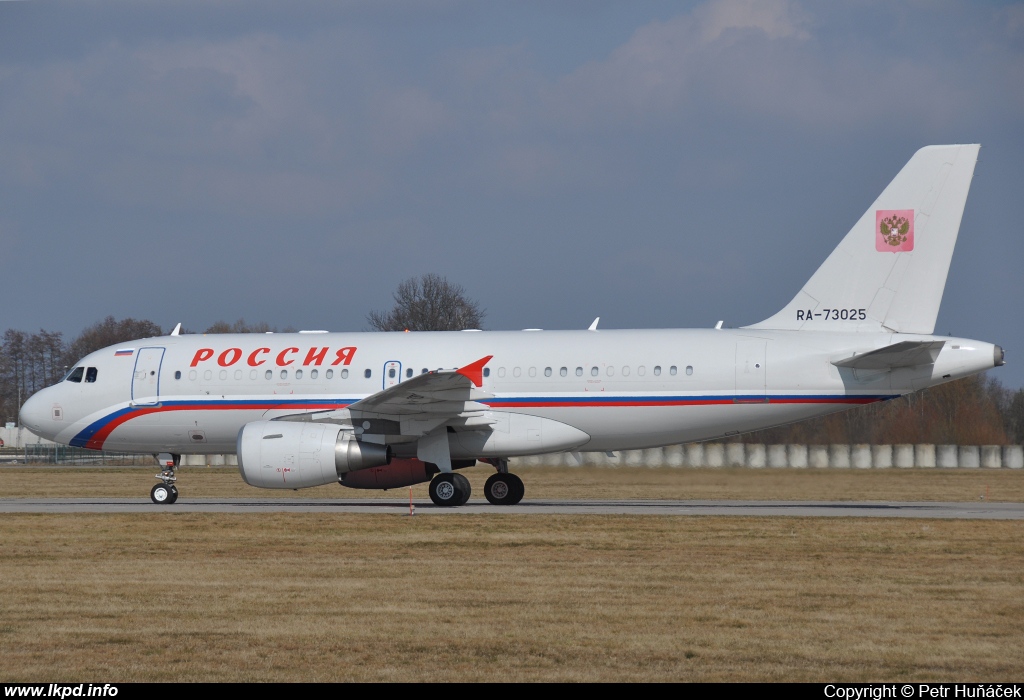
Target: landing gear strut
x=166, y=493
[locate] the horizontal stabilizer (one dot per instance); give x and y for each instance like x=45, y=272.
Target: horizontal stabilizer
x=909, y=353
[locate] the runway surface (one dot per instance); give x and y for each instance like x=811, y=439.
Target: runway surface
x=816, y=509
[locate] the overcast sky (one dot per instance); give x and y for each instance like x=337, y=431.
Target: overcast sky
x=660, y=164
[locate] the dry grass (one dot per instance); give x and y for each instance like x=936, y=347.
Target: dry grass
x=541, y=482
x=283, y=597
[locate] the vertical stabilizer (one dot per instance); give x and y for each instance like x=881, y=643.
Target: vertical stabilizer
x=889, y=271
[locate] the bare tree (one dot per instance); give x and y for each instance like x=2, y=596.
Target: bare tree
x=240, y=326
x=107, y=332
x=428, y=303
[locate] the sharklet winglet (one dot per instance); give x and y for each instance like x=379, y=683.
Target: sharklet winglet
x=475, y=371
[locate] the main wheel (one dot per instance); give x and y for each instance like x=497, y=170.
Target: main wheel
x=162, y=494
x=444, y=491
x=518, y=489
x=500, y=489
x=462, y=483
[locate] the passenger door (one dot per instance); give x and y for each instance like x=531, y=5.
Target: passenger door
x=146, y=379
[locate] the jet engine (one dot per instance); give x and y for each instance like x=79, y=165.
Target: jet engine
x=287, y=455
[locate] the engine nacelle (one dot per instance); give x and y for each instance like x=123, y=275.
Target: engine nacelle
x=401, y=472
x=287, y=455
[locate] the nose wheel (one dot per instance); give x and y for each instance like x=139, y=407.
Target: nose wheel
x=164, y=494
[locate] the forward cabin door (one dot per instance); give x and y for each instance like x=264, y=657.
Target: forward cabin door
x=146, y=379
x=751, y=371
x=392, y=373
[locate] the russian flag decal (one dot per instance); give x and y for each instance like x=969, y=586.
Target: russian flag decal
x=124, y=353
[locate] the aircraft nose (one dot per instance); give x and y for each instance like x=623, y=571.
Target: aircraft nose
x=35, y=414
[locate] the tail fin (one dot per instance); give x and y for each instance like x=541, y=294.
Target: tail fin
x=889, y=271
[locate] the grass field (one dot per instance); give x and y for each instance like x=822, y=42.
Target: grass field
x=325, y=597
x=541, y=482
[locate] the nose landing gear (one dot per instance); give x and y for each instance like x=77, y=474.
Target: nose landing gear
x=166, y=493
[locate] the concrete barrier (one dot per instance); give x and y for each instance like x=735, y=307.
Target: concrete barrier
x=881, y=456
x=1013, y=456
x=969, y=456
x=860, y=456
x=903, y=456
x=777, y=456
x=695, y=455
x=735, y=454
x=714, y=454
x=817, y=456
x=839, y=456
x=757, y=456
x=924, y=455
x=797, y=455
x=674, y=456
x=947, y=456
x=991, y=456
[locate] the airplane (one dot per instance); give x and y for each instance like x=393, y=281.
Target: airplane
x=388, y=410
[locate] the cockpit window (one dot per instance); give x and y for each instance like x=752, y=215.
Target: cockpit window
x=90, y=375
x=75, y=375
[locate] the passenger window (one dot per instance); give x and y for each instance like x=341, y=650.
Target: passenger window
x=284, y=374
x=672, y=370
x=368, y=374
x=90, y=375
x=689, y=370
x=270, y=374
x=547, y=371
x=564, y=372
x=391, y=373
x=594, y=371
x=533, y=371
x=657, y=370
x=298, y=374
x=579, y=371
x=641, y=370
x=516, y=371
x=611, y=371
x=252, y=374
x=625, y=371
x=207, y=375
x=501, y=371
x=424, y=370
x=177, y=375
x=192, y=374
x=223, y=374
x=313, y=374
x=487, y=371
x=76, y=375
x=344, y=374
x=408, y=373
x=329, y=373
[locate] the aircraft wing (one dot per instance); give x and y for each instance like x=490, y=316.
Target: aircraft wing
x=444, y=392
x=909, y=353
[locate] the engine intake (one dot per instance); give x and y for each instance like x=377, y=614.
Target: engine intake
x=287, y=455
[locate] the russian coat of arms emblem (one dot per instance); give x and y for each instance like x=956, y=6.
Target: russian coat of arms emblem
x=894, y=230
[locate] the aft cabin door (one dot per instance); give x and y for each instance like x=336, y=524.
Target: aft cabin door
x=750, y=371
x=146, y=380
x=392, y=373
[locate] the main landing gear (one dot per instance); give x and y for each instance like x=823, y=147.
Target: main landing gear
x=501, y=489
x=166, y=493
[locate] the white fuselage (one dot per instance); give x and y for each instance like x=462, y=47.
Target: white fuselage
x=625, y=389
